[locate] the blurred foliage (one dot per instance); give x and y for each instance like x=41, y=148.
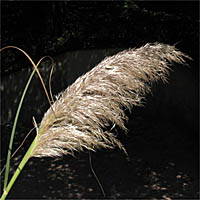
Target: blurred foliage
x=53, y=27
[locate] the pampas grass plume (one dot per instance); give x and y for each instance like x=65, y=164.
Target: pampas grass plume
x=82, y=116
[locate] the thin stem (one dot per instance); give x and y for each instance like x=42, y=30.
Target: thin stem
x=27, y=155
x=19, y=107
x=19, y=168
x=18, y=148
x=13, y=131
x=101, y=187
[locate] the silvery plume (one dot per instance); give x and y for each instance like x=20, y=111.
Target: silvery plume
x=83, y=115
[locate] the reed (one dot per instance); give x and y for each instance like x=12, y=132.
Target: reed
x=82, y=115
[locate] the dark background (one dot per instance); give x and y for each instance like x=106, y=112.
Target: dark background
x=49, y=27
x=163, y=151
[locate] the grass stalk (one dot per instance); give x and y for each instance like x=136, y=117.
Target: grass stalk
x=13, y=131
x=7, y=188
x=19, y=169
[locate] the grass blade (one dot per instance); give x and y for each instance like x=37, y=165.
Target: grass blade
x=17, y=115
x=19, y=169
x=13, y=131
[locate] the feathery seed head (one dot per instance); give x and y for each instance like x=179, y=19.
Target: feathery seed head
x=97, y=100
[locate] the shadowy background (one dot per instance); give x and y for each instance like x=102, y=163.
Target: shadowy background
x=163, y=139
x=50, y=27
